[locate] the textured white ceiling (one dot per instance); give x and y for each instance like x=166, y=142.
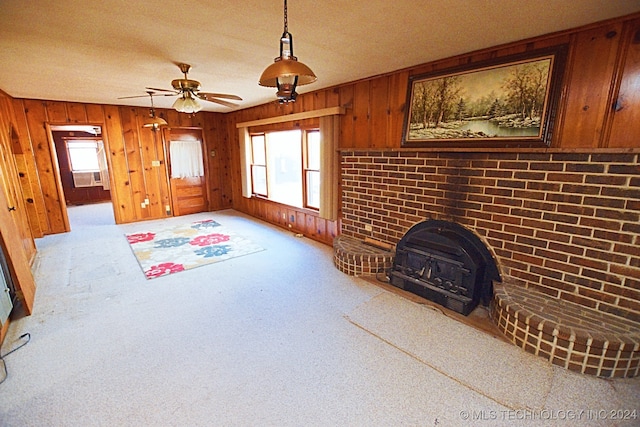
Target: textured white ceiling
x=98, y=51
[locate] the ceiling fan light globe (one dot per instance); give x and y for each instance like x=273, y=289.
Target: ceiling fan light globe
x=178, y=105
x=187, y=104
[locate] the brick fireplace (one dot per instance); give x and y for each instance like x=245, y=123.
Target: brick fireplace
x=562, y=225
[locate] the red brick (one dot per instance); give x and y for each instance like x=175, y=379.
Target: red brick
x=605, y=179
x=584, y=281
x=587, y=302
x=551, y=255
x=565, y=177
x=600, y=223
x=597, y=296
x=584, y=167
x=633, y=170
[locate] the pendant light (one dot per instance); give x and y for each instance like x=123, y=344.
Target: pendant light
x=286, y=73
x=154, y=122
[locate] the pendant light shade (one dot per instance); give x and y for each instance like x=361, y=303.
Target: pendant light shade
x=286, y=73
x=154, y=122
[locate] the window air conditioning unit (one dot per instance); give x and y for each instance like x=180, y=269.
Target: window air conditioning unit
x=86, y=179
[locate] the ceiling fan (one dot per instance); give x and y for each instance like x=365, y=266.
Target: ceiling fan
x=188, y=90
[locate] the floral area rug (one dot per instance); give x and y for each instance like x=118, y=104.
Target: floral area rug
x=187, y=246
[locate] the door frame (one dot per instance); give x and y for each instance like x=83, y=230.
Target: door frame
x=166, y=141
x=56, y=167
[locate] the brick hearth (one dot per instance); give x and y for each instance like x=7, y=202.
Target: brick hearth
x=563, y=225
x=356, y=258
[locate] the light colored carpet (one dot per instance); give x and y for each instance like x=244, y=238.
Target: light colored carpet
x=473, y=358
x=260, y=340
x=161, y=250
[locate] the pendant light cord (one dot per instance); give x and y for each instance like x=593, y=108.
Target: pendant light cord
x=286, y=26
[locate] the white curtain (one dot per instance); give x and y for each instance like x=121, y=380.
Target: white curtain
x=245, y=162
x=329, y=166
x=186, y=159
x=104, y=168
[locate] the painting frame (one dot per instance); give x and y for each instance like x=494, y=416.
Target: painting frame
x=499, y=102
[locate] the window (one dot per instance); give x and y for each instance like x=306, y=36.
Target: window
x=83, y=156
x=259, y=165
x=285, y=167
x=88, y=163
x=312, y=169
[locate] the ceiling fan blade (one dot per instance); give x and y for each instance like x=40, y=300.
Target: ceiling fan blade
x=207, y=95
x=173, y=92
x=218, y=101
x=134, y=96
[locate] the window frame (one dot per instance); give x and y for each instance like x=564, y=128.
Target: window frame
x=306, y=168
x=303, y=170
x=263, y=166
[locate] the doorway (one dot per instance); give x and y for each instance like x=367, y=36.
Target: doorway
x=83, y=166
x=187, y=170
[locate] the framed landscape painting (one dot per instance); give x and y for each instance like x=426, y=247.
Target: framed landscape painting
x=510, y=101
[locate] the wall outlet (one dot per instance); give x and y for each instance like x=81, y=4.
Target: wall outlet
x=146, y=201
x=143, y=205
x=368, y=227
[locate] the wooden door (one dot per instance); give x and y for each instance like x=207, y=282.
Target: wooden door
x=188, y=194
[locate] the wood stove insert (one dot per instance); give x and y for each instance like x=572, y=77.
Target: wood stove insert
x=445, y=263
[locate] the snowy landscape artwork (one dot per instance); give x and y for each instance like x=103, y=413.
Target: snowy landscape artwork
x=499, y=102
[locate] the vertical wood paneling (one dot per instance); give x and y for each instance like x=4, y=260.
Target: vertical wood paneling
x=398, y=83
x=120, y=185
x=17, y=259
x=625, y=129
x=589, y=86
x=379, y=113
x=161, y=174
x=347, y=120
x=56, y=112
x=95, y=113
x=361, y=114
x=76, y=113
x=135, y=169
x=46, y=163
x=217, y=141
x=332, y=98
x=153, y=189
x=36, y=208
x=32, y=214
x=9, y=178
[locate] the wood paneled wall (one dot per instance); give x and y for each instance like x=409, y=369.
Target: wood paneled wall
x=131, y=150
x=16, y=239
x=599, y=109
x=599, y=106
